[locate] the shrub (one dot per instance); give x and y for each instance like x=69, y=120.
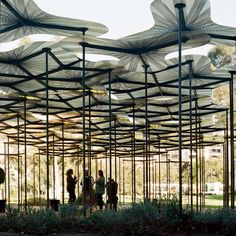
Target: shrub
x=37, y=201
x=160, y=217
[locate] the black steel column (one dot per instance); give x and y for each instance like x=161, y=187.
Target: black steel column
x=115, y=123
x=159, y=168
x=83, y=123
x=110, y=128
x=123, y=183
x=144, y=174
x=40, y=191
x=89, y=150
x=25, y=154
x=63, y=164
x=231, y=109
x=132, y=169
x=191, y=134
x=119, y=184
x=134, y=155
x=196, y=146
x=18, y=162
x=53, y=166
x=8, y=173
x=5, y=170
x=78, y=175
x=227, y=158
x=34, y=178
x=47, y=125
x=180, y=7
x=146, y=135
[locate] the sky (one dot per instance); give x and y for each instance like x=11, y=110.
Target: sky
x=126, y=17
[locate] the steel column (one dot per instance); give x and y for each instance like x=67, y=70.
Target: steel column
x=180, y=7
x=231, y=109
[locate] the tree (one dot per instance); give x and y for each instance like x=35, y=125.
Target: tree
x=221, y=56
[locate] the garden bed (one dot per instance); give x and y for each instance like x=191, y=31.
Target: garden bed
x=149, y=218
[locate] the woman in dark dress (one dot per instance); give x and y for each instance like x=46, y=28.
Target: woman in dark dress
x=71, y=182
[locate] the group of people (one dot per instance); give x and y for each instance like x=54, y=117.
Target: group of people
x=87, y=189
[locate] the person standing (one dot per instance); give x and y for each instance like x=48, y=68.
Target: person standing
x=100, y=189
x=111, y=188
x=87, y=188
x=71, y=182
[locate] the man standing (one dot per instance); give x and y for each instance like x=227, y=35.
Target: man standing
x=111, y=188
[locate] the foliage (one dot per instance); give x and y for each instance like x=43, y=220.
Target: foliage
x=216, y=221
x=214, y=171
x=37, y=201
x=69, y=211
x=158, y=217
x=220, y=55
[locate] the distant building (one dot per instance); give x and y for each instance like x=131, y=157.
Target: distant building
x=209, y=152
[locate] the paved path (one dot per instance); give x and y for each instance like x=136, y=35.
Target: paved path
x=14, y=234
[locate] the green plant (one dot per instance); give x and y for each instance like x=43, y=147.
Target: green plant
x=39, y=222
x=69, y=211
x=37, y=201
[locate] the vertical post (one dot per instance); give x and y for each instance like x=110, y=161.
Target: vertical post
x=106, y=165
x=123, y=183
x=40, y=190
x=8, y=173
x=18, y=162
x=149, y=164
x=144, y=175
x=146, y=134
x=203, y=175
x=25, y=154
x=196, y=146
x=132, y=170
x=21, y=180
x=96, y=166
x=180, y=7
x=63, y=164
x=227, y=159
x=191, y=133
x=200, y=166
x=134, y=153
x=53, y=166
x=153, y=178
x=78, y=174
x=34, y=177
x=231, y=110
x=159, y=168
x=83, y=122
x=115, y=149
x=167, y=178
x=89, y=151
x=119, y=180
x=5, y=169
x=110, y=119
x=47, y=124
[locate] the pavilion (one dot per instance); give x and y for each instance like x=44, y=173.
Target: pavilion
x=133, y=110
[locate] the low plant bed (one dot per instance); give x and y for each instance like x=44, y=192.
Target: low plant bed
x=149, y=218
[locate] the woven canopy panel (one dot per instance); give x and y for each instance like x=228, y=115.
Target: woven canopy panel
x=45, y=78
x=135, y=52
x=195, y=17
x=20, y=18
